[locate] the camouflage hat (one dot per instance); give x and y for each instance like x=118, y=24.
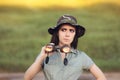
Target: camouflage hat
x=68, y=19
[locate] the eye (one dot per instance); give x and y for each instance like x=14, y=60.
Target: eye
x=72, y=30
x=63, y=29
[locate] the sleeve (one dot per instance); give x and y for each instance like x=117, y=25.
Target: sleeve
x=87, y=61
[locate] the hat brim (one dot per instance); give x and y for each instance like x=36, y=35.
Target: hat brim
x=80, y=30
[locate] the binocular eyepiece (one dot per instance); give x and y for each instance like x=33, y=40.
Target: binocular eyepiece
x=51, y=48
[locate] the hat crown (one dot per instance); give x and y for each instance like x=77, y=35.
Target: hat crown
x=67, y=19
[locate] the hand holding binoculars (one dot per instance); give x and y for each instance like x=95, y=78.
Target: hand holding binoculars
x=51, y=48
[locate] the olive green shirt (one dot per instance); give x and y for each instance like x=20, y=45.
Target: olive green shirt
x=77, y=62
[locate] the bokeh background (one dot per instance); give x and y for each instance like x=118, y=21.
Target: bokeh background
x=24, y=24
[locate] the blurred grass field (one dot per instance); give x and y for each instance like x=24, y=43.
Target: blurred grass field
x=24, y=31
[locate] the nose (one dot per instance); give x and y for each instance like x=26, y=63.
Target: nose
x=67, y=33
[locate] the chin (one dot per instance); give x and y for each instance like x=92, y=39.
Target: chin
x=67, y=43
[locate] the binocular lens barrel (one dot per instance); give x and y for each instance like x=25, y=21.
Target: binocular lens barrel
x=49, y=48
x=65, y=49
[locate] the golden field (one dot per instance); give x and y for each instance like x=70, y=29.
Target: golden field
x=52, y=3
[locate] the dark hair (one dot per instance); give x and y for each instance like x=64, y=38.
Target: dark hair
x=55, y=39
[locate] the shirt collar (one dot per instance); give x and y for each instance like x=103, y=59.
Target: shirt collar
x=74, y=51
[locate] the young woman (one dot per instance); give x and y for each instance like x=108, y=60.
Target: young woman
x=62, y=65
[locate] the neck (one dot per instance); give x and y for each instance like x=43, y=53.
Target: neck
x=63, y=44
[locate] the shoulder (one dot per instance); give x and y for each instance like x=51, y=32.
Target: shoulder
x=80, y=52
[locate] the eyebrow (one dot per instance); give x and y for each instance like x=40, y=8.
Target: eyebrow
x=66, y=28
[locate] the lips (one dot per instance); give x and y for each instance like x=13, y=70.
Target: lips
x=66, y=39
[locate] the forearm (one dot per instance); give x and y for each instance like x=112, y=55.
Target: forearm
x=97, y=73
x=102, y=78
x=31, y=72
x=34, y=68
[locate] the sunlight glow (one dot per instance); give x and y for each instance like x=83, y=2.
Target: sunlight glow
x=49, y=3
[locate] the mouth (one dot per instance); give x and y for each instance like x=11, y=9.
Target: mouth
x=66, y=40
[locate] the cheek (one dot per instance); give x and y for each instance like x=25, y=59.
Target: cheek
x=59, y=36
x=72, y=37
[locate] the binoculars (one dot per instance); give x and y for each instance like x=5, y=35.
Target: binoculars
x=51, y=48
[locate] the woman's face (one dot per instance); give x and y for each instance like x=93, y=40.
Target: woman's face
x=66, y=34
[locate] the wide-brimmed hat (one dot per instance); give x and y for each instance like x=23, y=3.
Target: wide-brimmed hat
x=68, y=19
